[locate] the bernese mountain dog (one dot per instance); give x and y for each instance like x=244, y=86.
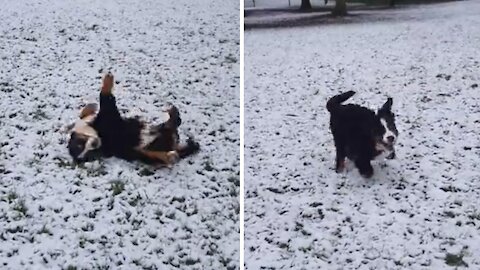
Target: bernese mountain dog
x=107, y=134
x=360, y=134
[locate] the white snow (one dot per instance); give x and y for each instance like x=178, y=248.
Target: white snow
x=54, y=215
x=418, y=211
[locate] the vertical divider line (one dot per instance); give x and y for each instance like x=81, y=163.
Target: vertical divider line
x=242, y=136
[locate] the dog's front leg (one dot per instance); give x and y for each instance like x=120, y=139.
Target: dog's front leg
x=340, y=160
x=364, y=167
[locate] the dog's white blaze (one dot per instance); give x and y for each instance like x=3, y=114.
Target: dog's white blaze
x=388, y=132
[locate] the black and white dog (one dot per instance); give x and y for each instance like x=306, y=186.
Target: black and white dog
x=108, y=134
x=360, y=134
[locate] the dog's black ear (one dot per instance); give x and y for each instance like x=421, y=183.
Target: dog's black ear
x=387, y=106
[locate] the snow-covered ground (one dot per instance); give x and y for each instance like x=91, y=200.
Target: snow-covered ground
x=113, y=214
x=420, y=211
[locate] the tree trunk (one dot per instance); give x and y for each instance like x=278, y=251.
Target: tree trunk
x=340, y=8
x=306, y=5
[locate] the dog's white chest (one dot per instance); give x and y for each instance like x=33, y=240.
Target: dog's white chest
x=384, y=152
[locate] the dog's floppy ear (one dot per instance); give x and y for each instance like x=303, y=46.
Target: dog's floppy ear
x=88, y=110
x=388, y=105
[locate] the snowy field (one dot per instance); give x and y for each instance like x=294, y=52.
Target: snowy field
x=420, y=211
x=113, y=214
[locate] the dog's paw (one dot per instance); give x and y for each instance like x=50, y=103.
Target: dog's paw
x=107, y=83
x=172, y=157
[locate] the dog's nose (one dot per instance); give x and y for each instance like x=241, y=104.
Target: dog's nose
x=391, y=139
x=95, y=144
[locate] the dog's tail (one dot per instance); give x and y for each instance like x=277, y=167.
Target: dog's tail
x=190, y=148
x=335, y=101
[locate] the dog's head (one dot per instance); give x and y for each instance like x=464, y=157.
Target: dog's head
x=84, y=143
x=386, y=133
x=174, y=120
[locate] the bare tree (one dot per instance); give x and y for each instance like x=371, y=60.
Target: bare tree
x=306, y=5
x=340, y=8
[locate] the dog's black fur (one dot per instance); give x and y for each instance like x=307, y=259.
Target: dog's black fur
x=360, y=134
x=122, y=137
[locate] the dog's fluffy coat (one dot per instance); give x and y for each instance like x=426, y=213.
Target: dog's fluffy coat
x=107, y=134
x=360, y=134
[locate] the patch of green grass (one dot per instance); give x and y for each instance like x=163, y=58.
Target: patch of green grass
x=235, y=180
x=101, y=171
x=117, y=187
x=44, y=230
x=191, y=261
x=449, y=214
x=455, y=260
x=146, y=172
x=83, y=240
x=11, y=196
x=134, y=201
x=180, y=199
x=88, y=227
x=21, y=207
x=15, y=229
x=207, y=165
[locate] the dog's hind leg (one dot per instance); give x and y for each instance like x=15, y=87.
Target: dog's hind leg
x=108, y=106
x=107, y=84
x=364, y=167
x=167, y=158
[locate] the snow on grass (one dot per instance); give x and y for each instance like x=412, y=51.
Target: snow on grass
x=419, y=211
x=110, y=213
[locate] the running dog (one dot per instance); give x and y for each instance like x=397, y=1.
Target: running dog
x=360, y=134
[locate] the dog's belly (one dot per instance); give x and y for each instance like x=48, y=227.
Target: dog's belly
x=149, y=133
x=147, y=136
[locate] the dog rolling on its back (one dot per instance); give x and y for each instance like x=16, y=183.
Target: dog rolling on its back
x=360, y=134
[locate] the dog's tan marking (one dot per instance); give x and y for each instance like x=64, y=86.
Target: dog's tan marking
x=340, y=166
x=107, y=84
x=168, y=158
